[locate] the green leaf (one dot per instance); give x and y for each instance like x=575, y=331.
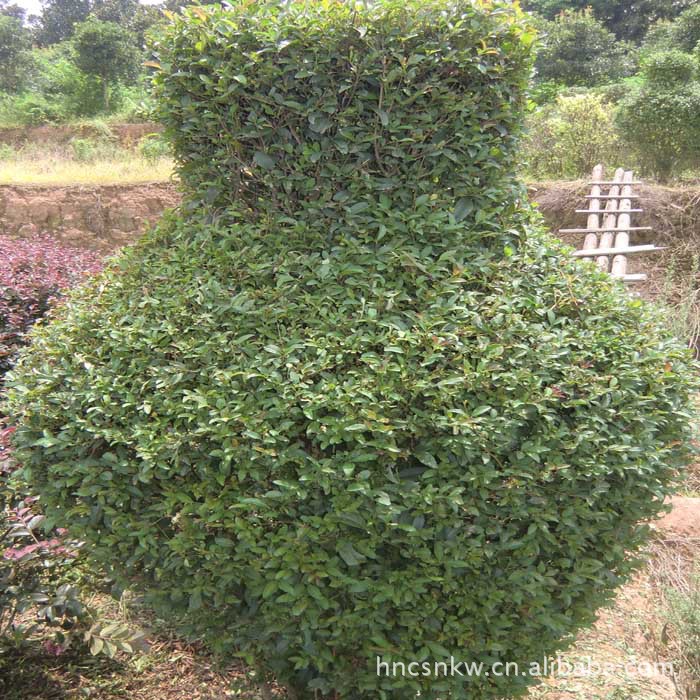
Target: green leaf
x=264, y=160
x=463, y=208
x=349, y=554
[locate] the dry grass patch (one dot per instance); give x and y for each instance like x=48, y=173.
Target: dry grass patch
x=170, y=669
x=84, y=161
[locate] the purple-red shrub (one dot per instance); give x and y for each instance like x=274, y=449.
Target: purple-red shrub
x=33, y=274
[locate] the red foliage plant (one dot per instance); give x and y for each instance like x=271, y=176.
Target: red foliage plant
x=33, y=274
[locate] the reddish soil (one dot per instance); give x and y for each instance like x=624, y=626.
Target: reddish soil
x=683, y=522
x=97, y=217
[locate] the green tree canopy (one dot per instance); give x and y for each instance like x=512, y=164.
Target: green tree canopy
x=59, y=18
x=627, y=19
x=11, y=9
x=685, y=31
x=14, y=43
x=579, y=50
x=105, y=50
x=130, y=14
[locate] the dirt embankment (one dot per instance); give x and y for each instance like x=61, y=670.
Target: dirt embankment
x=673, y=213
x=126, y=134
x=100, y=218
x=107, y=216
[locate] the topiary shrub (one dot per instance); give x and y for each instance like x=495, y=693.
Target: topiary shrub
x=661, y=121
x=350, y=402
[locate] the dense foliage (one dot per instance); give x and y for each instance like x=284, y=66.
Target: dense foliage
x=105, y=50
x=662, y=119
x=78, y=60
x=40, y=565
x=568, y=137
x=686, y=30
x=14, y=45
x=354, y=404
x=578, y=50
x=627, y=19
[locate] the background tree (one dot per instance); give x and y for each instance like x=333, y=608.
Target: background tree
x=58, y=19
x=627, y=19
x=9, y=9
x=174, y=5
x=685, y=31
x=107, y=51
x=14, y=45
x=130, y=14
x=662, y=120
x=578, y=50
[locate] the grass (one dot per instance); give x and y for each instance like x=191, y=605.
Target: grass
x=84, y=161
x=54, y=171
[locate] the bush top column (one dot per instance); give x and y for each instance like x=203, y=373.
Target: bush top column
x=325, y=106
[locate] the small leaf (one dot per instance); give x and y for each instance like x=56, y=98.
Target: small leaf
x=349, y=554
x=263, y=160
x=463, y=207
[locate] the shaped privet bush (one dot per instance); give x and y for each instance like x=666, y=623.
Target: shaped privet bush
x=350, y=402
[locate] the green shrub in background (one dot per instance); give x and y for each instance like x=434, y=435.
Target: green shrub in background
x=55, y=91
x=664, y=69
x=544, y=91
x=57, y=78
x=661, y=121
x=627, y=19
x=29, y=109
x=613, y=93
x=683, y=34
x=350, y=402
x=658, y=38
x=14, y=53
x=686, y=29
x=88, y=150
x=565, y=139
x=578, y=50
x=153, y=147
